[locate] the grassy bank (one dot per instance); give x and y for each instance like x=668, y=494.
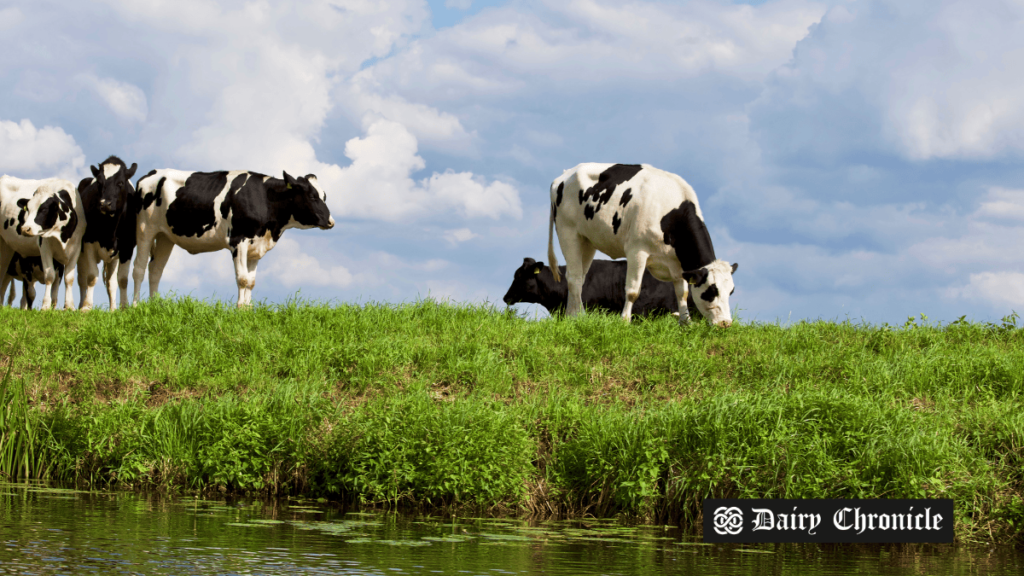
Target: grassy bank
x=438, y=405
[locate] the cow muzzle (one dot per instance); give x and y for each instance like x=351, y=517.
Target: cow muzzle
x=723, y=323
x=106, y=208
x=31, y=232
x=330, y=223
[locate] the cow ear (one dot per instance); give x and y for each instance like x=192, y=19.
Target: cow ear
x=735, y=266
x=696, y=277
x=131, y=171
x=288, y=179
x=528, y=261
x=538, y=267
x=95, y=172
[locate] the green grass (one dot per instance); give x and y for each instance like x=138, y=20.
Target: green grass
x=441, y=405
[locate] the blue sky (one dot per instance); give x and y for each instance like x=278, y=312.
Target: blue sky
x=859, y=159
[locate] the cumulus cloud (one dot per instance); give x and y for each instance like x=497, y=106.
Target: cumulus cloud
x=379, y=185
x=994, y=288
x=293, y=268
x=921, y=79
x=126, y=100
x=454, y=237
x=27, y=151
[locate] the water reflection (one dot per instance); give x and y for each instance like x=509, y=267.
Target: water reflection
x=46, y=531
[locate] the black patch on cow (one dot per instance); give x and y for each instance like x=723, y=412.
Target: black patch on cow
x=49, y=210
x=126, y=229
x=588, y=212
x=686, y=232
x=558, y=193
x=554, y=212
x=237, y=183
x=616, y=221
x=710, y=294
x=155, y=196
x=601, y=192
x=68, y=210
x=101, y=226
x=191, y=213
x=626, y=197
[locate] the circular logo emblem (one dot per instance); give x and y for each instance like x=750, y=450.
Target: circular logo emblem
x=728, y=520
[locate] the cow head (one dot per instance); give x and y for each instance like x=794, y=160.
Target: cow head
x=711, y=287
x=114, y=179
x=525, y=286
x=49, y=212
x=309, y=208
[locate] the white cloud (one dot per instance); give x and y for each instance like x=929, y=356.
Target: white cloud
x=997, y=289
x=293, y=267
x=923, y=79
x=460, y=4
x=379, y=185
x=28, y=151
x=126, y=100
x=454, y=237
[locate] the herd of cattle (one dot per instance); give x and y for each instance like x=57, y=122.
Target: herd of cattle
x=649, y=216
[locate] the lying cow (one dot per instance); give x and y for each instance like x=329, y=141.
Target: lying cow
x=109, y=201
x=650, y=217
x=29, y=269
x=604, y=289
x=243, y=212
x=41, y=218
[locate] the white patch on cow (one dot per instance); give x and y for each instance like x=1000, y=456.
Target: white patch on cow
x=110, y=170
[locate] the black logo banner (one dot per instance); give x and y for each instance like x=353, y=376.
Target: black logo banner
x=864, y=521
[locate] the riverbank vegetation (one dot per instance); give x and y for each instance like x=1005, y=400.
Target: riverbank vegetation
x=438, y=406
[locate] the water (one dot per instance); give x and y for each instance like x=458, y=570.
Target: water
x=47, y=531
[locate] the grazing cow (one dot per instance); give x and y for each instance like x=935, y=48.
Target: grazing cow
x=243, y=212
x=650, y=217
x=603, y=289
x=109, y=201
x=29, y=269
x=41, y=218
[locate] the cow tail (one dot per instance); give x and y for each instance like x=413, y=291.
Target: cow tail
x=552, y=259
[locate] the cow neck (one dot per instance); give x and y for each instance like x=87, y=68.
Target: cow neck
x=556, y=294
x=104, y=227
x=281, y=205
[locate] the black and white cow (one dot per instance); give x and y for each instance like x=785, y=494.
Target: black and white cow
x=41, y=218
x=650, y=217
x=604, y=289
x=29, y=269
x=110, y=207
x=243, y=212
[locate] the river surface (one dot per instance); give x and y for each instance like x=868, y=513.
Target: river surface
x=54, y=531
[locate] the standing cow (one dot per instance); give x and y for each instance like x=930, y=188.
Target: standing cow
x=110, y=205
x=650, y=217
x=29, y=269
x=243, y=212
x=41, y=218
x=603, y=289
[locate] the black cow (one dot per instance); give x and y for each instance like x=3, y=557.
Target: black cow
x=110, y=205
x=604, y=289
x=240, y=211
x=29, y=269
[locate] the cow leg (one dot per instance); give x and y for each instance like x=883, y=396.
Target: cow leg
x=49, y=276
x=145, y=246
x=111, y=269
x=87, y=273
x=10, y=299
x=636, y=263
x=579, y=254
x=123, y=269
x=6, y=255
x=28, y=294
x=69, y=279
x=252, y=263
x=684, y=311
x=161, y=254
x=240, y=255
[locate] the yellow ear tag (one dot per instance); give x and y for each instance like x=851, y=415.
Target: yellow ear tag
x=288, y=187
x=691, y=282
x=536, y=270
